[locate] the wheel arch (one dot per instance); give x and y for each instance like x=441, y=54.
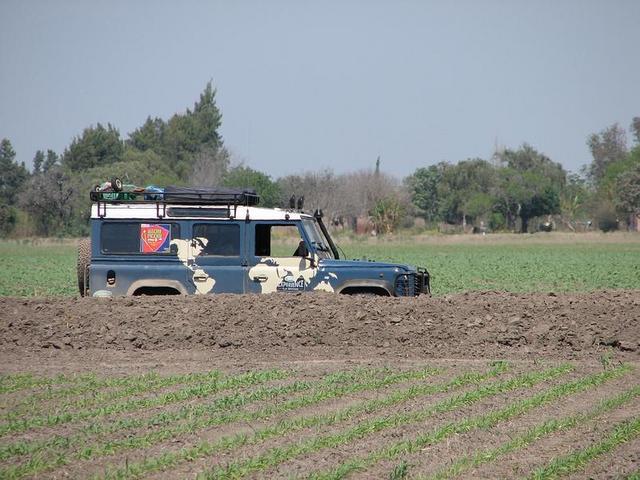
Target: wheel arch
x=159, y=284
x=376, y=287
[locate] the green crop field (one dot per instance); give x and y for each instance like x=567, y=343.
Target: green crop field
x=282, y=422
x=33, y=270
x=517, y=264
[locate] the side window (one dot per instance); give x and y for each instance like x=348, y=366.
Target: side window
x=138, y=238
x=279, y=241
x=221, y=239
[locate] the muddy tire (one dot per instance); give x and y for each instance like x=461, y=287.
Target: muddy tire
x=84, y=260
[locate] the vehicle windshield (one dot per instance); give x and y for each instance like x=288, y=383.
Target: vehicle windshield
x=316, y=237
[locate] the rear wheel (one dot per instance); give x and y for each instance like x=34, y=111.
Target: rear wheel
x=84, y=260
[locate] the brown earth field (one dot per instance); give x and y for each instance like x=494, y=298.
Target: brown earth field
x=473, y=385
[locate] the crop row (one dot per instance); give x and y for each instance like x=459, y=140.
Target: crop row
x=210, y=414
x=199, y=390
x=276, y=456
x=21, y=381
x=102, y=390
x=46, y=455
x=545, y=429
x=129, y=386
x=201, y=416
x=485, y=421
x=284, y=427
x=623, y=432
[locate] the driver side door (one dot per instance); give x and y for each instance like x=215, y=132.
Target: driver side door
x=278, y=260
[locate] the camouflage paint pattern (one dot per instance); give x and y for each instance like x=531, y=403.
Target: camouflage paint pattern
x=288, y=274
x=188, y=252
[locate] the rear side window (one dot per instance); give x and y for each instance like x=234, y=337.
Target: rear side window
x=138, y=238
x=221, y=239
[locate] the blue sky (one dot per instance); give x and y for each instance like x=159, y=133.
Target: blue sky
x=307, y=85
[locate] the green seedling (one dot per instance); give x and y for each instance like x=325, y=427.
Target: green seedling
x=577, y=460
x=486, y=421
x=534, y=434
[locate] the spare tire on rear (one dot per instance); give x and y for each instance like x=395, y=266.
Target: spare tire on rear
x=84, y=260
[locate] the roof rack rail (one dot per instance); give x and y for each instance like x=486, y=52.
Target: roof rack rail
x=180, y=195
x=222, y=197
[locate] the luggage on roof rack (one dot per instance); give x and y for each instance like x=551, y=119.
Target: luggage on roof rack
x=211, y=196
x=184, y=195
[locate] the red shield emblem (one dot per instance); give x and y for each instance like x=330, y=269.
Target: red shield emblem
x=155, y=238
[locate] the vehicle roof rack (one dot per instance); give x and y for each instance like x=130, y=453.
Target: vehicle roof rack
x=181, y=195
x=229, y=198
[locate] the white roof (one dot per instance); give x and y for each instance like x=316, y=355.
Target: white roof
x=150, y=211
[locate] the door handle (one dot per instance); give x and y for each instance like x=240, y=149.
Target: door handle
x=260, y=279
x=200, y=278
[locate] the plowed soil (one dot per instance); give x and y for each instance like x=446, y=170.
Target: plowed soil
x=310, y=336
x=320, y=326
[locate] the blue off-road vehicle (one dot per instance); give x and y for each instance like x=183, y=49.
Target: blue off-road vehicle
x=164, y=241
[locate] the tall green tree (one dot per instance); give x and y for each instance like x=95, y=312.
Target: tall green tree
x=241, y=177
x=607, y=147
x=530, y=185
x=51, y=160
x=627, y=200
x=12, y=174
x=96, y=146
x=192, y=132
x=12, y=179
x=467, y=189
x=38, y=161
x=612, y=163
x=208, y=118
x=47, y=198
x=150, y=136
x=543, y=200
x=528, y=159
x=423, y=186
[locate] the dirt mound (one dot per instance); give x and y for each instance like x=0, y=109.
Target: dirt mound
x=313, y=325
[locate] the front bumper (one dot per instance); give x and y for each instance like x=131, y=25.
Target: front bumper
x=413, y=284
x=422, y=281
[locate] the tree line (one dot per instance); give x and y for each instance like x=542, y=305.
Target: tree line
x=517, y=185
x=503, y=193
